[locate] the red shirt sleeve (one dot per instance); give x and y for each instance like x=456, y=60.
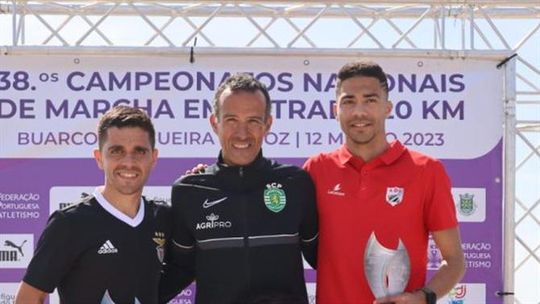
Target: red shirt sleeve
x=440, y=211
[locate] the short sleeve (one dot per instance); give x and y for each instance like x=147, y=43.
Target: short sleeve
x=440, y=210
x=53, y=257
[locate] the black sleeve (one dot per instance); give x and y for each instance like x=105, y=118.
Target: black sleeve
x=309, y=229
x=179, y=268
x=53, y=257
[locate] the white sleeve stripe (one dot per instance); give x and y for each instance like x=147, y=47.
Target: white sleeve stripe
x=311, y=239
x=182, y=246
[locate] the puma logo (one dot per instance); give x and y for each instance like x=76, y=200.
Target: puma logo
x=11, y=244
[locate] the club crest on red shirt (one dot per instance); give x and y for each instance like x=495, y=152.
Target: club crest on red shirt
x=394, y=195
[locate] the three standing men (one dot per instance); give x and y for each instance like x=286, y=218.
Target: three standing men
x=240, y=226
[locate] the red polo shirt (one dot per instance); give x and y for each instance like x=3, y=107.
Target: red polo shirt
x=374, y=221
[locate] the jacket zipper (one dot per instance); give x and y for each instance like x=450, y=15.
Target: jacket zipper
x=246, y=233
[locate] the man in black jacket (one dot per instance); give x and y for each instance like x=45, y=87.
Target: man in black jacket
x=240, y=227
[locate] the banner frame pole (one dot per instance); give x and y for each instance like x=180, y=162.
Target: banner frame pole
x=509, y=180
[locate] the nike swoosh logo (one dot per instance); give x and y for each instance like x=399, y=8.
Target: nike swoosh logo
x=208, y=204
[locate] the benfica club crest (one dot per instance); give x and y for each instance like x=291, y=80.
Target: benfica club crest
x=159, y=239
x=394, y=195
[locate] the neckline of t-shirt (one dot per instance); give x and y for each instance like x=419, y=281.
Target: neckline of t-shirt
x=133, y=222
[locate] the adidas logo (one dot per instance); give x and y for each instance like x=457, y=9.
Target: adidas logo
x=107, y=248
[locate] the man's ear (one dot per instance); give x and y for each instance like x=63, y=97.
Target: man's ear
x=213, y=122
x=389, y=107
x=334, y=109
x=268, y=123
x=99, y=158
x=155, y=154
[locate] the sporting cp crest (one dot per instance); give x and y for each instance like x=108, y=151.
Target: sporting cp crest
x=394, y=195
x=466, y=204
x=274, y=197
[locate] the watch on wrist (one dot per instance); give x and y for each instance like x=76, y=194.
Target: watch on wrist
x=431, y=297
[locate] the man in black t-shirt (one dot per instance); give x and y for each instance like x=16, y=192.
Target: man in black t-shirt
x=109, y=247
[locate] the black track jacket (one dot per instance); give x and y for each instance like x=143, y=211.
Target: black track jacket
x=239, y=232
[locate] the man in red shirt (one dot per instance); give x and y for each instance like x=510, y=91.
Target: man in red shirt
x=378, y=201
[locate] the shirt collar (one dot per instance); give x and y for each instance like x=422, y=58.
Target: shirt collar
x=387, y=157
x=393, y=153
x=133, y=222
x=344, y=155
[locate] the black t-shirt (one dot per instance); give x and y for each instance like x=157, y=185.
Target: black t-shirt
x=93, y=256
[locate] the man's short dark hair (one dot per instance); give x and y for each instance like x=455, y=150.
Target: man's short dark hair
x=361, y=68
x=242, y=82
x=125, y=116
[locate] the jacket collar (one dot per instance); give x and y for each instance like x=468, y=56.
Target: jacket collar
x=241, y=176
x=258, y=163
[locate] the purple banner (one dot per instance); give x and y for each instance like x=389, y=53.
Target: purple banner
x=27, y=184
